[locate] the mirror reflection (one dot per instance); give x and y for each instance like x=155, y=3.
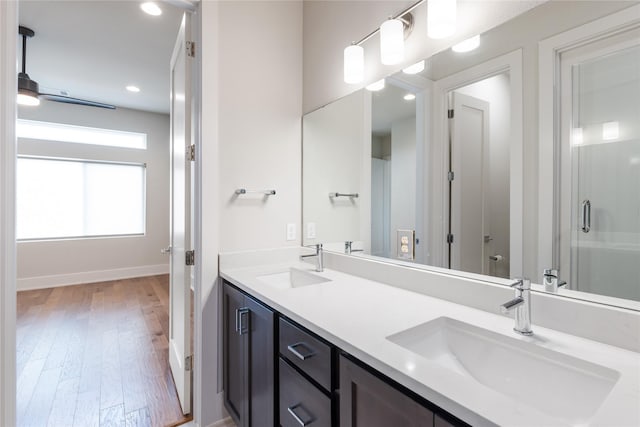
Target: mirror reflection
x=461, y=162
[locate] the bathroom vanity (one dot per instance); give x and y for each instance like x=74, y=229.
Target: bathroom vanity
x=336, y=349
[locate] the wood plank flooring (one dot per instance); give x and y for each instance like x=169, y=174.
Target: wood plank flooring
x=96, y=355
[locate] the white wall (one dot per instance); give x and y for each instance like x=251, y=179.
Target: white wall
x=349, y=21
x=495, y=91
x=63, y=262
x=403, y=179
x=335, y=141
x=251, y=138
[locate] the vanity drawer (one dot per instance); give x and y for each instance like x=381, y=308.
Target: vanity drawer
x=301, y=403
x=308, y=353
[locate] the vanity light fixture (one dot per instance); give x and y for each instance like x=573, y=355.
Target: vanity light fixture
x=409, y=97
x=467, y=45
x=151, y=8
x=610, y=131
x=376, y=86
x=132, y=88
x=392, y=41
x=416, y=68
x=353, y=64
x=393, y=32
x=441, y=18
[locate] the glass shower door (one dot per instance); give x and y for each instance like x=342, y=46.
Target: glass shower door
x=599, y=194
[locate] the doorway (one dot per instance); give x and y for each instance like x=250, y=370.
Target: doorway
x=479, y=128
x=109, y=297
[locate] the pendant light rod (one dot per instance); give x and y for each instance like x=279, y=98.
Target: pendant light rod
x=397, y=16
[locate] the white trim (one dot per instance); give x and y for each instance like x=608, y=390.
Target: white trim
x=511, y=62
x=548, y=53
x=8, y=115
x=53, y=281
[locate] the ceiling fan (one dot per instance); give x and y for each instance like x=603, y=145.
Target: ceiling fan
x=29, y=91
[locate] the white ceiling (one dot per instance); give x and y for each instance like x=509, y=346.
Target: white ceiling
x=94, y=49
x=390, y=106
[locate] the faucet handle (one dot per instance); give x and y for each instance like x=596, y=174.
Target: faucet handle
x=550, y=272
x=521, y=284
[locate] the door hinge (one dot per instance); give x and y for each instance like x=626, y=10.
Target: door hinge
x=450, y=175
x=190, y=257
x=191, y=49
x=449, y=238
x=450, y=114
x=188, y=363
x=191, y=152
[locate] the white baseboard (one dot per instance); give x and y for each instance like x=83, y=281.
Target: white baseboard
x=227, y=422
x=41, y=282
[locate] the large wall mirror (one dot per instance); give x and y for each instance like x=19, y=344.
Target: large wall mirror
x=476, y=164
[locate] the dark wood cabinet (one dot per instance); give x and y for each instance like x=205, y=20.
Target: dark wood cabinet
x=301, y=403
x=368, y=401
x=249, y=359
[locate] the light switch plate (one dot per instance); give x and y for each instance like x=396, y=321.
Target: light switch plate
x=311, y=230
x=291, y=231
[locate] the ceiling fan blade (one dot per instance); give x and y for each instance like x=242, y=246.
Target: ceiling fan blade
x=75, y=101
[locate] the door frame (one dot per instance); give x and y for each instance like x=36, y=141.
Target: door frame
x=8, y=275
x=549, y=51
x=439, y=156
x=8, y=116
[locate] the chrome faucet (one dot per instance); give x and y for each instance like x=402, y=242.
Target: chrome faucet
x=318, y=255
x=348, y=249
x=521, y=305
x=551, y=280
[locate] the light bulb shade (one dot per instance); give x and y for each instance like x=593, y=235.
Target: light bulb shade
x=467, y=45
x=353, y=64
x=392, y=42
x=416, y=68
x=28, y=99
x=376, y=86
x=441, y=18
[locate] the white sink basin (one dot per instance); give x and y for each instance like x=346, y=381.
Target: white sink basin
x=554, y=383
x=294, y=278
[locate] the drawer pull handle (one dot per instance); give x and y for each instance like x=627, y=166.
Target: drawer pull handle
x=292, y=349
x=242, y=315
x=292, y=411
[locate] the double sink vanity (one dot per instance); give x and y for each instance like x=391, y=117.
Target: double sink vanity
x=333, y=348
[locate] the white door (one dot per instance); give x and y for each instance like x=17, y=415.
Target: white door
x=468, y=197
x=599, y=216
x=180, y=282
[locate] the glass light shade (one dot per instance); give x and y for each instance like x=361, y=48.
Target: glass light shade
x=409, y=97
x=441, y=18
x=353, y=64
x=151, y=8
x=467, y=45
x=24, y=99
x=391, y=42
x=415, y=68
x=376, y=86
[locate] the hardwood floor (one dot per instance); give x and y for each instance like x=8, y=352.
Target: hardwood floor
x=96, y=355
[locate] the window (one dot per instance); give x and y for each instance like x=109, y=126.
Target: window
x=80, y=134
x=65, y=198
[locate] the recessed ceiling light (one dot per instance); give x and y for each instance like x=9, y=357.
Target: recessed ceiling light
x=409, y=97
x=467, y=45
x=132, y=88
x=415, y=68
x=376, y=86
x=151, y=8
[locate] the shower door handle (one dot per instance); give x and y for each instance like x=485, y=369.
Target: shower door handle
x=586, y=216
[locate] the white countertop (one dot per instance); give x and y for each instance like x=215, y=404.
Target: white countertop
x=357, y=315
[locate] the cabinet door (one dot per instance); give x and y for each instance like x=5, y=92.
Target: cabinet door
x=261, y=365
x=236, y=378
x=367, y=401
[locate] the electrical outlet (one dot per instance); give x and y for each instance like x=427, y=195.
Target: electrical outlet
x=291, y=231
x=311, y=230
